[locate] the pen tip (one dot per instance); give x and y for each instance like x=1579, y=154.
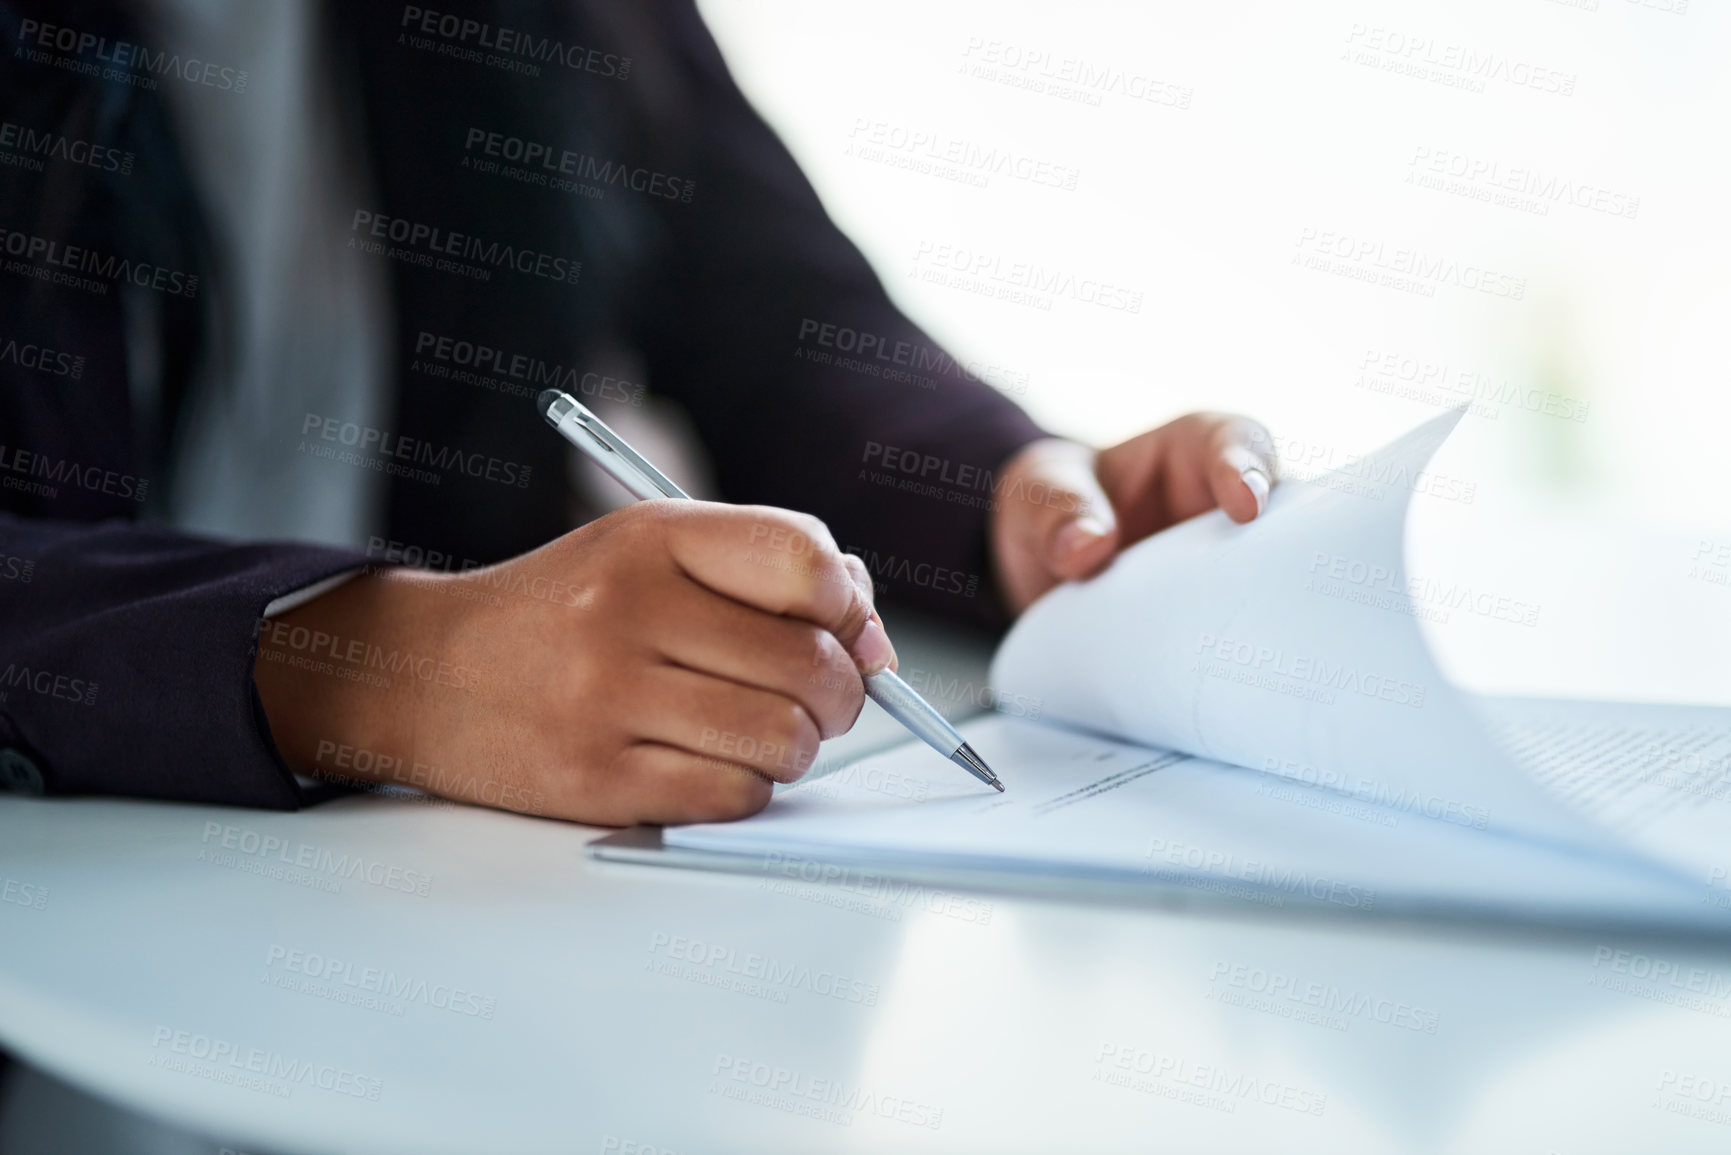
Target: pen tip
x=976, y=765
x=545, y=401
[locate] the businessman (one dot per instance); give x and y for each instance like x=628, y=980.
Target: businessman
x=280, y=282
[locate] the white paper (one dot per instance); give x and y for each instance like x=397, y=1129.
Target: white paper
x=1252, y=645
x=1658, y=776
x=1081, y=805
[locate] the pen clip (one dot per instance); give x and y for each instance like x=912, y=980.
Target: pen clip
x=598, y=429
x=609, y=450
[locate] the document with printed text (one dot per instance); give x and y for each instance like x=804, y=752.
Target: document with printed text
x=1233, y=709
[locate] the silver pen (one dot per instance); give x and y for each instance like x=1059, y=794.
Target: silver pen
x=608, y=450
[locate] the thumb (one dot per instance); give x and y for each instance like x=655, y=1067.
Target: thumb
x=1068, y=519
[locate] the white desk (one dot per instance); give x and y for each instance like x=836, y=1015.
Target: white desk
x=996, y=1011
x=1001, y=1025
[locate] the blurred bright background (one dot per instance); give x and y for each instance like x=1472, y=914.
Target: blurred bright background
x=1549, y=178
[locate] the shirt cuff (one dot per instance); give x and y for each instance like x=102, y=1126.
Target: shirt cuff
x=306, y=594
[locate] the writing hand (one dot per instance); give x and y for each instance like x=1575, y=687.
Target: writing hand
x=663, y=663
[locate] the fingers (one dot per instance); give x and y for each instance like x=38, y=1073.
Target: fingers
x=1054, y=504
x=1241, y=474
x=711, y=634
x=1186, y=467
x=723, y=720
x=779, y=562
x=868, y=639
x=666, y=785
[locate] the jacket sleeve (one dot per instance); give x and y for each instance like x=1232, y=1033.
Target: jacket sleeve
x=810, y=389
x=126, y=658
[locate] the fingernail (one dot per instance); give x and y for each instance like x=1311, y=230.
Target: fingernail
x=863, y=584
x=1257, y=482
x=872, y=651
x=1075, y=537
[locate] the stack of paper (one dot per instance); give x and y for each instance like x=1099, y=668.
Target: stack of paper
x=1234, y=711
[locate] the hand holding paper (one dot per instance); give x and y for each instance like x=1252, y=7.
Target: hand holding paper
x=1238, y=643
x=1062, y=512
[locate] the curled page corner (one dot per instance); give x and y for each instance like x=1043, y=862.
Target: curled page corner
x=1250, y=645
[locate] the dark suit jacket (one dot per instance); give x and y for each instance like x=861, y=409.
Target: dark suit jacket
x=126, y=649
